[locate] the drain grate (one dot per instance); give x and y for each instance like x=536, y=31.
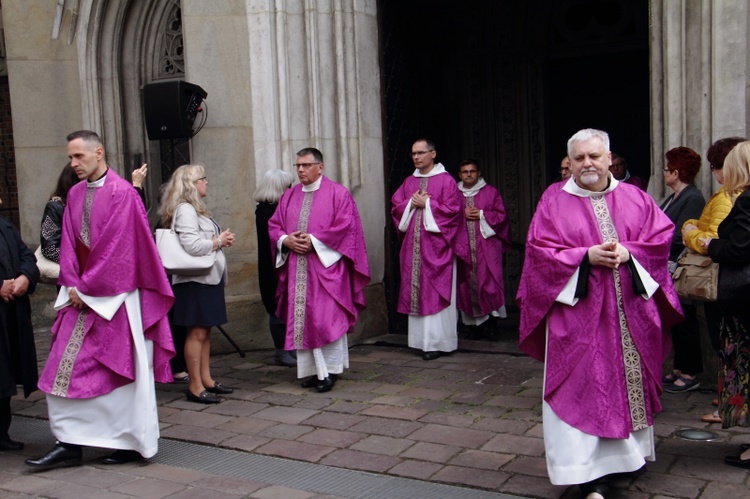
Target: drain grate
x=310, y=477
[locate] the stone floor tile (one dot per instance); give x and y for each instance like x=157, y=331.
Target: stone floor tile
x=539, y=487
x=525, y=465
x=285, y=431
x=379, y=444
x=170, y=473
x=201, y=419
x=99, y=477
x=515, y=402
x=485, y=479
x=204, y=493
x=30, y=484
x=357, y=460
x=332, y=438
x=295, y=450
x=480, y=459
x=246, y=443
x=426, y=393
x=236, y=408
x=229, y=484
x=246, y=425
x=189, y=433
x=446, y=419
x=419, y=470
x=394, y=412
x=669, y=485
x=148, y=487
x=334, y=421
x=387, y=427
x=462, y=437
x=78, y=491
x=514, y=444
x=431, y=452
x=289, y=415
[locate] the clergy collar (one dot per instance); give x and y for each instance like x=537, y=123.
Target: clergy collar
x=572, y=188
x=98, y=182
x=471, y=192
x=312, y=187
x=436, y=170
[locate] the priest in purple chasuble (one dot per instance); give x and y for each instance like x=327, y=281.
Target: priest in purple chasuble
x=111, y=339
x=319, y=248
x=481, y=289
x=597, y=304
x=426, y=210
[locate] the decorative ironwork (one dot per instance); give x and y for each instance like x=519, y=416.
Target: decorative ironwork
x=171, y=52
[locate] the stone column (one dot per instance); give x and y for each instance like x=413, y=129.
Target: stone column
x=698, y=79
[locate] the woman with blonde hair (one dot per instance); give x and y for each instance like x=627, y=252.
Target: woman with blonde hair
x=199, y=300
x=732, y=250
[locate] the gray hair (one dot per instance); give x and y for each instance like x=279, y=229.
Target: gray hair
x=586, y=134
x=272, y=186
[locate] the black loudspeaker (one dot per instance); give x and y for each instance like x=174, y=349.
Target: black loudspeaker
x=170, y=107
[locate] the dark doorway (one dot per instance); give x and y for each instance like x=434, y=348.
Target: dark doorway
x=508, y=82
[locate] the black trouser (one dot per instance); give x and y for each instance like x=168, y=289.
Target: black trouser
x=712, y=311
x=4, y=418
x=686, y=338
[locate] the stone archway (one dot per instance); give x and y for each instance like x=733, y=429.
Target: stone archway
x=122, y=46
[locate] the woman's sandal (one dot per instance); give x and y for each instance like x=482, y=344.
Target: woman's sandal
x=711, y=418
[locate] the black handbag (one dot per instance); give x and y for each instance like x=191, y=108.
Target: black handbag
x=734, y=284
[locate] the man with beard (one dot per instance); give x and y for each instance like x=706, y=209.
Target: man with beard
x=597, y=304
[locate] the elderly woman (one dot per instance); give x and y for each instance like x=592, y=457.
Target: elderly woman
x=269, y=190
x=199, y=300
x=686, y=202
x=693, y=231
x=732, y=249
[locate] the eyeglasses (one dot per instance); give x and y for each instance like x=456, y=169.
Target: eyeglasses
x=666, y=170
x=305, y=165
x=468, y=172
x=202, y=178
x=419, y=153
x=615, y=165
x=563, y=170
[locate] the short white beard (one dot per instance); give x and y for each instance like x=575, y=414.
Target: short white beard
x=589, y=178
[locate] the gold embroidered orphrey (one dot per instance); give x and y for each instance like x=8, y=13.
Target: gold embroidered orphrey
x=471, y=226
x=630, y=355
x=61, y=385
x=416, y=257
x=300, y=282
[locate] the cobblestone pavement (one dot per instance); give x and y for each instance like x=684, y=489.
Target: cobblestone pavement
x=471, y=419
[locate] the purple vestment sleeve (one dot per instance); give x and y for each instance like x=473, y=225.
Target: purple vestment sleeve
x=122, y=258
x=328, y=299
x=585, y=369
x=436, y=251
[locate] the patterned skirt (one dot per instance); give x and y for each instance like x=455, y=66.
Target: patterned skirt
x=734, y=369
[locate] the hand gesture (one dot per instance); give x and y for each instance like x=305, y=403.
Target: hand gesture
x=472, y=213
x=610, y=254
x=139, y=175
x=298, y=242
x=419, y=199
x=227, y=238
x=6, y=291
x=20, y=285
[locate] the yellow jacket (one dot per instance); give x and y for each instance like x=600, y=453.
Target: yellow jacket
x=716, y=210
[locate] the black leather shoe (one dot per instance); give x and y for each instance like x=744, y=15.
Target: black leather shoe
x=220, y=389
x=744, y=447
x=203, y=398
x=326, y=384
x=122, y=457
x=737, y=462
x=309, y=382
x=60, y=455
x=430, y=355
x=6, y=445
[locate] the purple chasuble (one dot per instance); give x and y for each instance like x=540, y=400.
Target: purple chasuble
x=427, y=257
x=89, y=355
x=481, y=289
x=605, y=353
x=320, y=304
